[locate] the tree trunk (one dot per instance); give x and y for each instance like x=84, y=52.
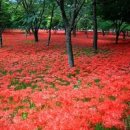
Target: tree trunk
x=103, y=32
x=49, y=37
x=1, y=41
x=94, y=26
x=65, y=31
x=86, y=32
x=74, y=31
x=35, y=32
x=117, y=36
x=69, y=48
x=50, y=27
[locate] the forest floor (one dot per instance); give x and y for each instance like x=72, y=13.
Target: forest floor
x=38, y=90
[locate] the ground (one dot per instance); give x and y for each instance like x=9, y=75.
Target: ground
x=39, y=91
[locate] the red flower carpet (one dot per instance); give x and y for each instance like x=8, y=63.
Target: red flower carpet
x=38, y=90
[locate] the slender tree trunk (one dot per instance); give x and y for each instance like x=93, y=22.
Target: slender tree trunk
x=117, y=36
x=69, y=48
x=50, y=27
x=35, y=32
x=103, y=32
x=1, y=28
x=86, y=32
x=69, y=22
x=65, y=31
x=1, y=41
x=49, y=37
x=95, y=26
x=74, y=31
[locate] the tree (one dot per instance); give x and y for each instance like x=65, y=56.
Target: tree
x=33, y=15
x=52, y=7
x=104, y=25
x=16, y=14
x=86, y=20
x=117, y=11
x=95, y=34
x=70, y=10
x=4, y=18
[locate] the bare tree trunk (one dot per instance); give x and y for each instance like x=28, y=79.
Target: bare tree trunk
x=69, y=24
x=95, y=26
x=103, y=32
x=117, y=36
x=118, y=30
x=35, y=32
x=86, y=32
x=65, y=31
x=50, y=27
x=69, y=48
x=74, y=31
x=1, y=41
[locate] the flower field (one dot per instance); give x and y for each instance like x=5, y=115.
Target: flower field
x=38, y=90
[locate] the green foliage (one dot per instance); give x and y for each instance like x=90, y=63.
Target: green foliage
x=116, y=11
x=127, y=120
x=21, y=85
x=32, y=105
x=97, y=80
x=14, y=15
x=32, y=14
x=101, y=127
x=3, y=72
x=24, y=115
x=4, y=15
x=104, y=25
x=85, y=19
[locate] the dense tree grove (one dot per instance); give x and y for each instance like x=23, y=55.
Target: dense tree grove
x=33, y=15
x=116, y=11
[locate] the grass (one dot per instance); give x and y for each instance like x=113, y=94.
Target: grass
x=21, y=85
x=91, y=51
x=101, y=127
x=24, y=115
x=3, y=72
